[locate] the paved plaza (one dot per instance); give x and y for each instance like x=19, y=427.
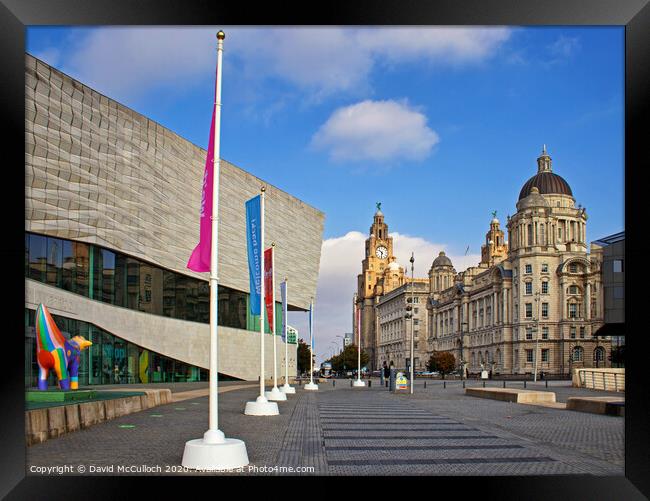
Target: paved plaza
x=341, y=430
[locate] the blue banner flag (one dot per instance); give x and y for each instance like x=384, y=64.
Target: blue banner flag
x=311, y=331
x=283, y=293
x=253, y=238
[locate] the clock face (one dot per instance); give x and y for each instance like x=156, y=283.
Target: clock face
x=381, y=252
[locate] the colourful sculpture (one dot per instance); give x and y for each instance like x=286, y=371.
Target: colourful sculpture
x=53, y=351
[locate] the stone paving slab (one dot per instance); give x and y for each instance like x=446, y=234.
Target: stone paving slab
x=343, y=431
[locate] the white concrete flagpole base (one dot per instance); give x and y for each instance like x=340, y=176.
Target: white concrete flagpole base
x=261, y=407
x=214, y=452
x=311, y=386
x=286, y=388
x=359, y=383
x=275, y=395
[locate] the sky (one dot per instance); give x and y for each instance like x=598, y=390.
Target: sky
x=442, y=125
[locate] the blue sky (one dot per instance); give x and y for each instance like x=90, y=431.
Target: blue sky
x=440, y=125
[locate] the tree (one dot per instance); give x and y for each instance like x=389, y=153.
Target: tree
x=348, y=359
x=303, y=357
x=442, y=361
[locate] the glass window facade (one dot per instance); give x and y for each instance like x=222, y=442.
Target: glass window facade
x=120, y=280
x=110, y=360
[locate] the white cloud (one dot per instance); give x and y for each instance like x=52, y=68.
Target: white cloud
x=127, y=61
x=337, y=282
x=376, y=130
x=449, y=44
x=564, y=46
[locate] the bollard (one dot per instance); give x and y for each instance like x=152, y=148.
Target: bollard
x=350, y=383
x=387, y=383
x=369, y=383
x=425, y=385
x=504, y=383
x=300, y=382
x=483, y=384
x=333, y=383
x=546, y=383
x=463, y=384
x=524, y=383
x=444, y=385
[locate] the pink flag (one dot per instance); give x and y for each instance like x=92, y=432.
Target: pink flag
x=200, y=258
x=268, y=287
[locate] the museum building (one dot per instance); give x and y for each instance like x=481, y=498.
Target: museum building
x=112, y=200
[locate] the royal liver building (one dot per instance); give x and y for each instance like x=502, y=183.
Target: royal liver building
x=533, y=297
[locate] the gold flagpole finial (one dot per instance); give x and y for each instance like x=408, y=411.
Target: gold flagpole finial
x=221, y=35
x=263, y=189
x=272, y=244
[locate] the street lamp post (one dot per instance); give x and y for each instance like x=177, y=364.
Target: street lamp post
x=462, y=361
x=342, y=352
x=537, y=300
x=412, y=260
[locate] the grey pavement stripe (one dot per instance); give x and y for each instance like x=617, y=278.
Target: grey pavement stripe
x=409, y=437
x=400, y=429
x=391, y=422
x=363, y=462
x=418, y=447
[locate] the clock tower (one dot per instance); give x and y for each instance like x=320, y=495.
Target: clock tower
x=380, y=274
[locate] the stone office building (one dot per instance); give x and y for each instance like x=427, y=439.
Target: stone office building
x=537, y=296
x=112, y=203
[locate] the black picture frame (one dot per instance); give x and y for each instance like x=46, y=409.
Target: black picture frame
x=15, y=15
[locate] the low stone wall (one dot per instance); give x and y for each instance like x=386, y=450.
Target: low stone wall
x=52, y=422
x=513, y=395
x=612, y=406
x=609, y=379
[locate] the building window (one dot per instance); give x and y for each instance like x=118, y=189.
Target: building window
x=573, y=310
x=572, y=332
x=529, y=333
x=416, y=321
x=545, y=354
x=529, y=268
x=573, y=289
x=577, y=354
x=573, y=268
x=544, y=267
x=529, y=310
x=544, y=310
x=582, y=332
x=544, y=332
x=529, y=288
x=545, y=287
x=529, y=355
x=599, y=354
x=617, y=266
x=619, y=292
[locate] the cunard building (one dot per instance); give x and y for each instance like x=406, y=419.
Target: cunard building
x=535, y=299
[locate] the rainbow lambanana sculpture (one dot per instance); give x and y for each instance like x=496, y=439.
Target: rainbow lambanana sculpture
x=53, y=351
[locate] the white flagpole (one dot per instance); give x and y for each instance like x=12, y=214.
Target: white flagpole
x=213, y=430
x=286, y=338
x=214, y=450
x=358, y=382
x=262, y=299
x=275, y=394
x=311, y=385
x=261, y=406
x=287, y=388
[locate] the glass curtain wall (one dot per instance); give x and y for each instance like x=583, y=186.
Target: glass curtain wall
x=113, y=278
x=110, y=359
